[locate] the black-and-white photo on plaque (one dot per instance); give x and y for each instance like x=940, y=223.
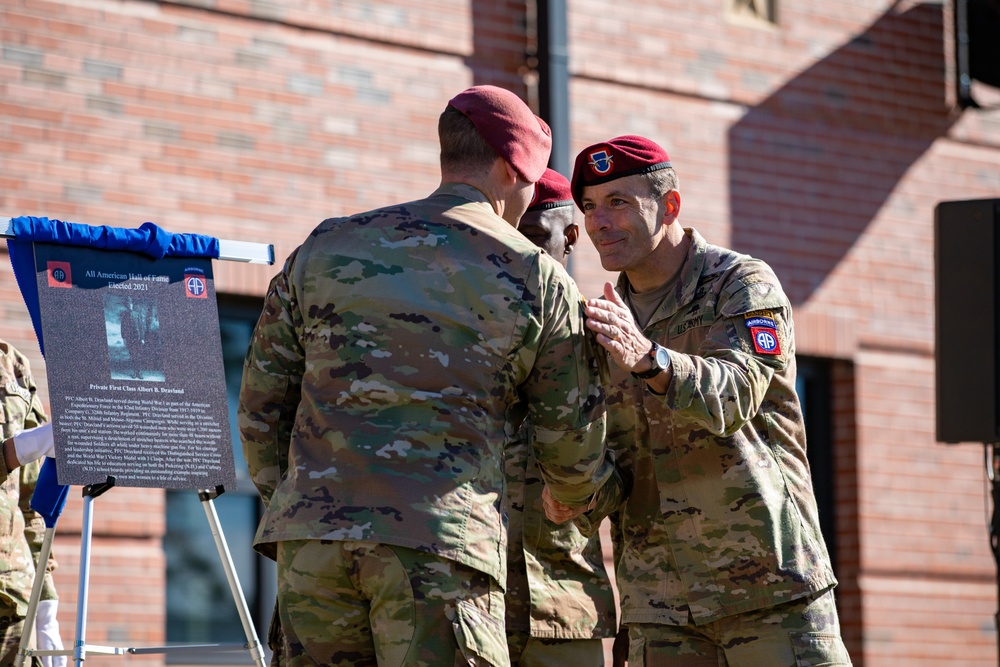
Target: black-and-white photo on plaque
x=133, y=357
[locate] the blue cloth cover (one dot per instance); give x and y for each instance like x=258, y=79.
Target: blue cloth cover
x=49, y=497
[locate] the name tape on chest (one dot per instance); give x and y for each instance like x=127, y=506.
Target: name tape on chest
x=14, y=388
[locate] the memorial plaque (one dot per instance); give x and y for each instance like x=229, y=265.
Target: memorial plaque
x=133, y=357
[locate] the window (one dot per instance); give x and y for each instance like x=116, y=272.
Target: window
x=813, y=387
x=200, y=605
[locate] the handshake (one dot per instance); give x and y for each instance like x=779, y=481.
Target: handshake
x=28, y=446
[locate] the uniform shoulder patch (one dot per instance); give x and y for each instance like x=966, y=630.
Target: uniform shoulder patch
x=760, y=318
x=765, y=340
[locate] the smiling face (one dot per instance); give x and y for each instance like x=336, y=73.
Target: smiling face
x=624, y=220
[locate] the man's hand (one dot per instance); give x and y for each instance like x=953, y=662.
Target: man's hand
x=557, y=512
x=47, y=633
x=617, y=331
x=33, y=444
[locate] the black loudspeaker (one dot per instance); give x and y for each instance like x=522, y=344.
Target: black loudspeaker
x=967, y=337
x=977, y=46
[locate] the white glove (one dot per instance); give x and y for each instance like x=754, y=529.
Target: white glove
x=47, y=633
x=34, y=443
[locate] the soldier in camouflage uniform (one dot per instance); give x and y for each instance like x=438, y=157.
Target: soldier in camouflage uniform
x=559, y=598
x=21, y=528
x=721, y=559
x=395, y=352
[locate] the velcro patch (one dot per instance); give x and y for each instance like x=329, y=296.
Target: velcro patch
x=760, y=322
x=14, y=388
x=765, y=340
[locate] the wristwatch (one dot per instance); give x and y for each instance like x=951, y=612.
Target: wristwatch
x=661, y=362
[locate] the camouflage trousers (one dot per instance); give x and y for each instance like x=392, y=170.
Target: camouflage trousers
x=800, y=633
x=11, y=627
x=528, y=651
x=352, y=603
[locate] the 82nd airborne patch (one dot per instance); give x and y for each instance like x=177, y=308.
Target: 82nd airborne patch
x=763, y=331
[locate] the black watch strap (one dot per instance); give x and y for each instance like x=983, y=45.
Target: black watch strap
x=656, y=368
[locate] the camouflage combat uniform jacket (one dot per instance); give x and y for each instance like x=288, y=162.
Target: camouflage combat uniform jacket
x=392, y=347
x=721, y=518
x=557, y=585
x=21, y=528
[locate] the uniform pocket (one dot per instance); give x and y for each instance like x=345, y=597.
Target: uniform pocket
x=481, y=638
x=818, y=649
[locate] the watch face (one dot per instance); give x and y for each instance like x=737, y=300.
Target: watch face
x=662, y=357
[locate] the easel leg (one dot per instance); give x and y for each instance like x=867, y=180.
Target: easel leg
x=80, y=642
x=89, y=493
x=80, y=648
x=36, y=593
x=253, y=643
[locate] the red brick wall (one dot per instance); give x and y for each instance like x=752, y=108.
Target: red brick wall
x=117, y=113
x=821, y=145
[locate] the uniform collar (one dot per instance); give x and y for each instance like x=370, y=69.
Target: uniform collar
x=687, y=280
x=478, y=206
x=463, y=190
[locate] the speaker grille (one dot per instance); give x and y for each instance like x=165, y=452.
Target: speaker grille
x=966, y=323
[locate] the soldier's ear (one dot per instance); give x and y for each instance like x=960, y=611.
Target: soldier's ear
x=511, y=173
x=671, y=205
x=572, y=236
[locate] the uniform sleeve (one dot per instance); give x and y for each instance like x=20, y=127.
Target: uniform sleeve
x=34, y=528
x=35, y=414
x=723, y=385
x=4, y=473
x=620, y=444
x=607, y=500
x=271, y=386
x=565, y=397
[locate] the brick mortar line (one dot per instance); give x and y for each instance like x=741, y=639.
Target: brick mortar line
x=361, y=39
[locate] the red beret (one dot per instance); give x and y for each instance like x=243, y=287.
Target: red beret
x=551, y=191
x=507, y=124
x=627, y=155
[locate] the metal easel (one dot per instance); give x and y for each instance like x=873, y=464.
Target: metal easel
x=80, y=647
x=254, y=253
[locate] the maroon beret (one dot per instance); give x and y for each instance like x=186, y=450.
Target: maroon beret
x=627, y=155
x=551, y=191
x=507, y=124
